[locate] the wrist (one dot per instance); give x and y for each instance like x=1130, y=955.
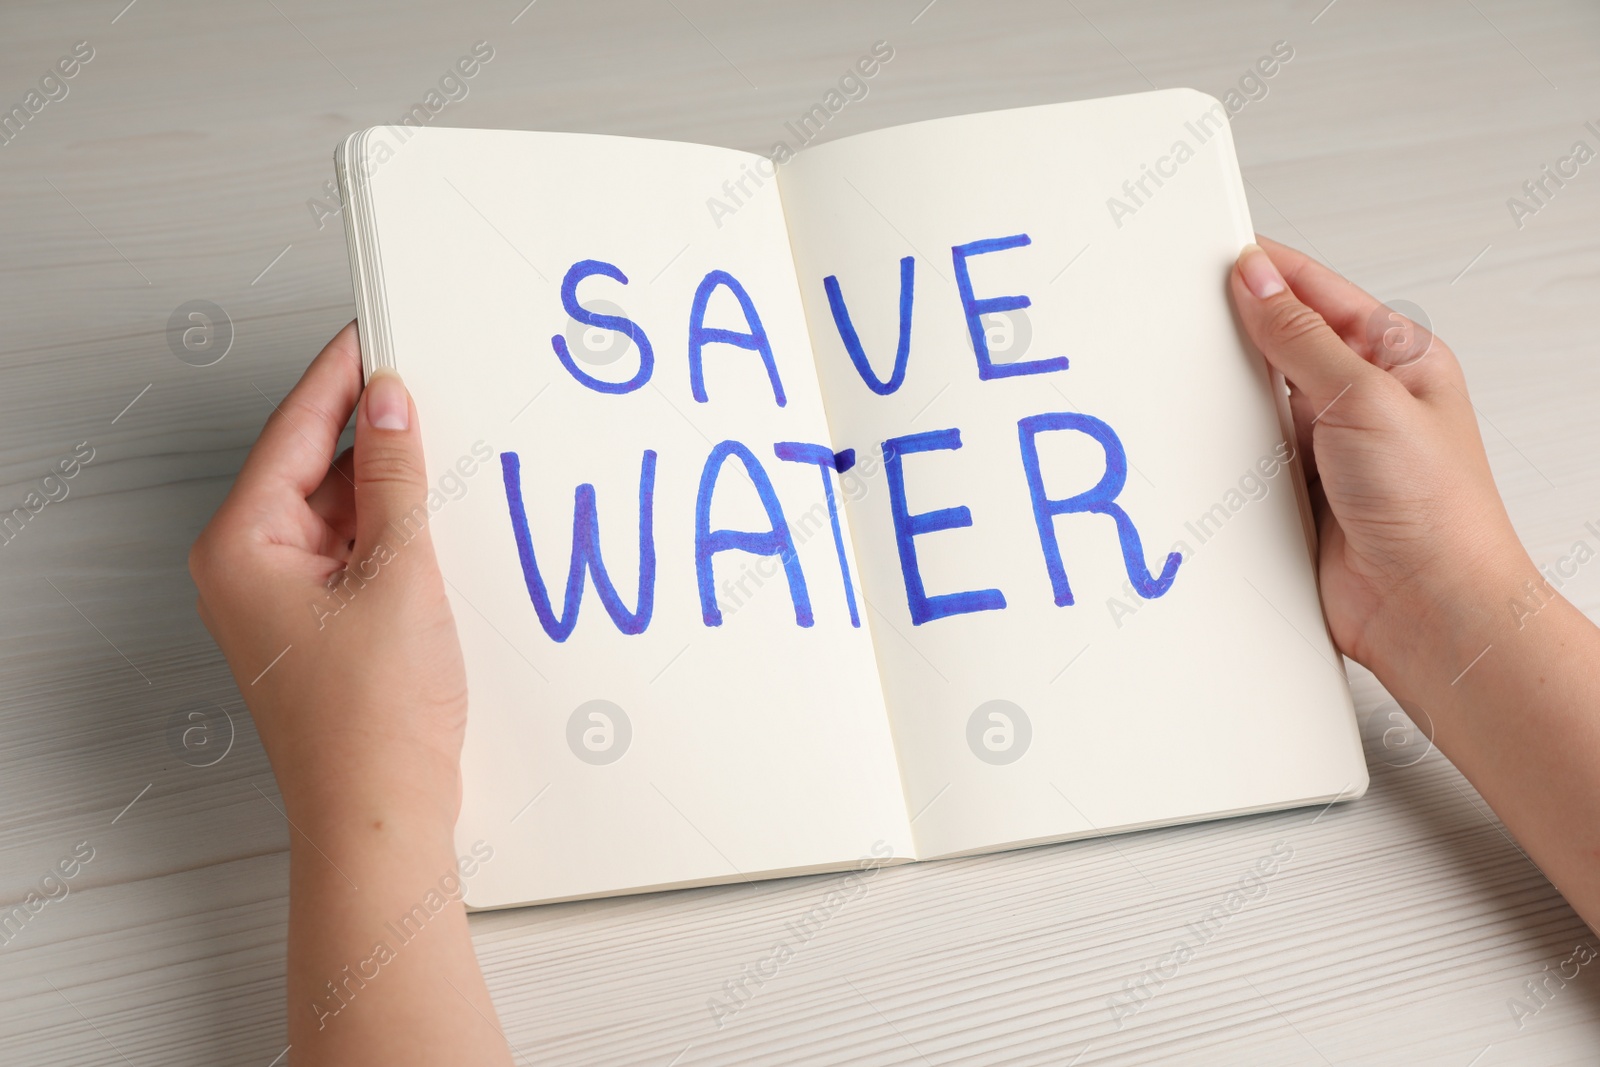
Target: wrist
x=382, y=796
x=358, y=821
x=1446, y=627
x=375, y=851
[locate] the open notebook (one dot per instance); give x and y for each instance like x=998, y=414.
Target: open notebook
x=915, y=497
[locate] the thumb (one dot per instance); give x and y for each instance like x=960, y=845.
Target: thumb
x=1295, y=338
x=390, y=477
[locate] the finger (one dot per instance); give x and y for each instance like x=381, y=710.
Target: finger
x=334, y=502
x=391, y=481
x=1411, y=354
x=297, y=444
x=1382, y=336
x=1343, y=304
x=1294, y=337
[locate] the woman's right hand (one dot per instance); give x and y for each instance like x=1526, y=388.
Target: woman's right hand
x=1415, y=544
x=1423, y=578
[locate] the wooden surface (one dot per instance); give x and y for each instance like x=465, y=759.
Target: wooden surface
x=178, y=168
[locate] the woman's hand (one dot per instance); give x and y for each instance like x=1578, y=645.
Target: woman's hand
x=318, y=580
x=1411, y=527
x=1423, y=578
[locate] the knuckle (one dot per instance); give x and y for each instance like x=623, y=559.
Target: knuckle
x=1385, y=398
x=306, y=413
x=1290, y=321
x=1439, y=362
x=390, y=466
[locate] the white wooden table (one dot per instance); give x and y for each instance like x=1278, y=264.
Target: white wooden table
x=178, y=167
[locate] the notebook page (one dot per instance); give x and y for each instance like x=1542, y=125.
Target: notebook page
x=1122, y=627
x=678, y=752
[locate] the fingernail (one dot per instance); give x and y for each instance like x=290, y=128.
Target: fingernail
x=388, y=404
x=1260, y=274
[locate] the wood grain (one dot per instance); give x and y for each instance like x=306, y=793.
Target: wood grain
x=179, y=166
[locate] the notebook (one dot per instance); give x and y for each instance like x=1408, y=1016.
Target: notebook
x=912, y=496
